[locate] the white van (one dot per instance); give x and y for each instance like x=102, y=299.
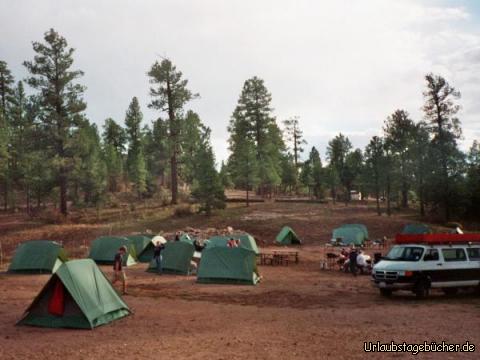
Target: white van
x=420, y=267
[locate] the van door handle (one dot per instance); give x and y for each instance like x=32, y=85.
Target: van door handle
x=439, y=264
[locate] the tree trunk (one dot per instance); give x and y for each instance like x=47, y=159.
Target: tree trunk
x=404, y=194
x=63, y=194
x=389, y=212
x=377, y=195
x=173, y=139
x=5, y=196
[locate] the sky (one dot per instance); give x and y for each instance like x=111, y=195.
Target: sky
x=339, y=65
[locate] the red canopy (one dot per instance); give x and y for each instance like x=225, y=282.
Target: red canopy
x=436, y=238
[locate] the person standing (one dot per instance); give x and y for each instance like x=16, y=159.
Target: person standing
x=157, y=255
x=352, y=257
x=118, y=272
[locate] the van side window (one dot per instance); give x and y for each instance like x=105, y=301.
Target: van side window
x=473, y=253
x=431, y=255
x=454, y=254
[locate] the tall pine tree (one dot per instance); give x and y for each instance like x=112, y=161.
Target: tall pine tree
x=169, y=94
x=61, y=100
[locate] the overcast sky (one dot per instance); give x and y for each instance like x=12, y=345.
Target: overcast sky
x=341, y=66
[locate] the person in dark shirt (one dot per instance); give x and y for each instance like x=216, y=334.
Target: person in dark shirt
x=157, y=255
x=177, y=236
x=352, y=257
x=118, y=272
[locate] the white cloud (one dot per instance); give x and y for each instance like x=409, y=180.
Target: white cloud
x=339, y=65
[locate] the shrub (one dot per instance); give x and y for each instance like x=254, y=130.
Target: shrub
x=183, y=210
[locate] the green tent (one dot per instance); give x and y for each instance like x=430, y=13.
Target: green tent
x=79, y=296
x=362, y=227
x=287, y=236
x=416, y=229
x=37, y=256
x=176, y=258
x=143, y=247
x=187, y=238
x=104, y=248
x=247, y=241
x=223, y=265
x=350, y=234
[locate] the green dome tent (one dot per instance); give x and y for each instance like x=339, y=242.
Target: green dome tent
x=287, y=236
x=176, y=258
x=104, y=248
x=247, y=241
x=416, y=229
x=223, y=265
x=359, y=226
x=143, y=247
x=37, y=256
x=351, y=234
x=79, y=296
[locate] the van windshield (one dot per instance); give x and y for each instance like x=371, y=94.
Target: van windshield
x=405, y=253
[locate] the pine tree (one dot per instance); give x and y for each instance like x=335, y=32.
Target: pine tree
x=19, y=139
x=114, y=143
x=191, y=135
x=317, y=173
x=444, y=127
x=6, y=93
x=114, y=134
x=156, y=152
x=473, y=180
x=170, y=94
x=289, y=173
x=306, y=178
x=243, y=167
x=422, y=167
x=6, y=90
x=208, y=189
x=294, y=136
x=374, y=167
x=225, y=176
x=135, y=158
x=61, y=100
x=338, y=149
x=399, y=132
x=252, y=122
x=90, y=171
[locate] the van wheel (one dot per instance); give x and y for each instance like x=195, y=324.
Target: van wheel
x=386, y=292
x=450, y=291
x=421, y=289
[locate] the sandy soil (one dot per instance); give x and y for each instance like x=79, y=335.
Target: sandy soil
x=298, y=311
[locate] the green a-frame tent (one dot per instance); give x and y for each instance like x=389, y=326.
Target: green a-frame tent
x=176, y=258
x=79, y=296
x=247, y=241
x=37, y=257
x=287, y=236
x=104, y=248
x=143, y=246
x=223, y=265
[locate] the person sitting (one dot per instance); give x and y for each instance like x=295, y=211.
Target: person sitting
x=362, y=262
x=342, y=257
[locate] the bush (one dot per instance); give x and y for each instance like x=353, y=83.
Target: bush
x=183, y=210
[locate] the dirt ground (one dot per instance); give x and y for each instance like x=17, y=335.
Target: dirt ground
x=298, y=311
